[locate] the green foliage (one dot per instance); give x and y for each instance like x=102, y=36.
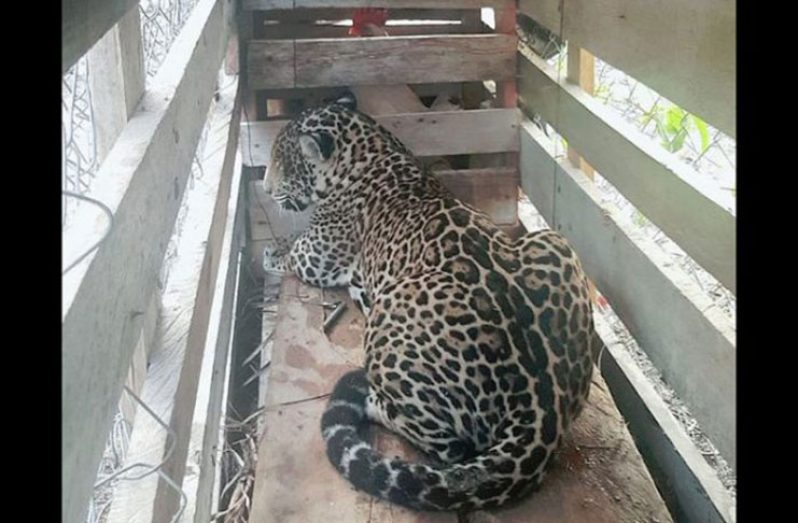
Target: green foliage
x=674, y=124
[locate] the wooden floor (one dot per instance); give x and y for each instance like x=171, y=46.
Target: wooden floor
x=597, y=477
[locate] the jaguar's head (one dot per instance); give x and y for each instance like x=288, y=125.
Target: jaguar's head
x=306, y=153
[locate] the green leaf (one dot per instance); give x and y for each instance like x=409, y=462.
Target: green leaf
x=703, y=130
x=675, y=119
x=678, y=141
x=663, y=134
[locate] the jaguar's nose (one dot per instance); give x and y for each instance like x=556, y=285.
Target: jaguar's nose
x=267, y=187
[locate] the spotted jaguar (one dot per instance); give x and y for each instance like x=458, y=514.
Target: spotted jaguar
x=479, y=349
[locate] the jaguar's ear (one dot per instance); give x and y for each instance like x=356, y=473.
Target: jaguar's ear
x=317, y=146
x=348, y=100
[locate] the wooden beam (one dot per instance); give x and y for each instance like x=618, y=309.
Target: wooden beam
x=690, y=60
x=394, y=4
x=83, y=22
x=687, y=483
x=380, y=60
x=172, y=383
x=207, y=427
x=690, y=210
x=688, y=339
x=425, y=134
x=141, y=182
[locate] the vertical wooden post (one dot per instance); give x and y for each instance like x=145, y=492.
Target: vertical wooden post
x=506, y=91
x=116, y=79
x=472, y=93
x=246, y=31
x=581, y=71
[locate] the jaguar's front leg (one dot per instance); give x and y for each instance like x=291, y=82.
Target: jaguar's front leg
x=276, y=256
x=313, y=260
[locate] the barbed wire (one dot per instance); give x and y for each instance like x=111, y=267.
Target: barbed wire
x=161, y=21
x=79, y=148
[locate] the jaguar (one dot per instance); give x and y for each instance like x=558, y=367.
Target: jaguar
x=479, y=348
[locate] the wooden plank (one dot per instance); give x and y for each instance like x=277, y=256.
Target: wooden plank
x=172, y=381
x=494, y=191
x=688, y=484
x=207, y=433
x=83, y=22
x=116, y=63
x=380, y=60
x=394, y=4
x=100, y=328
x=690, y=209
x=597, y=476
x=690, y=60
x=690, y=341
x=425, y=134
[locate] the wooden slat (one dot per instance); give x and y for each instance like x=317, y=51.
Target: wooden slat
x=207, y=434
x=83, y=22
x=380, y=60
x=425, y=134
x=141, y=182
x=687, y=338
x=690, y=59
x=395, y=4
x=688, y=484
x=171, y=387
x=686, y=206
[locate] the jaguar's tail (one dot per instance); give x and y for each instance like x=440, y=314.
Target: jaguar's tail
x=508, y=470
